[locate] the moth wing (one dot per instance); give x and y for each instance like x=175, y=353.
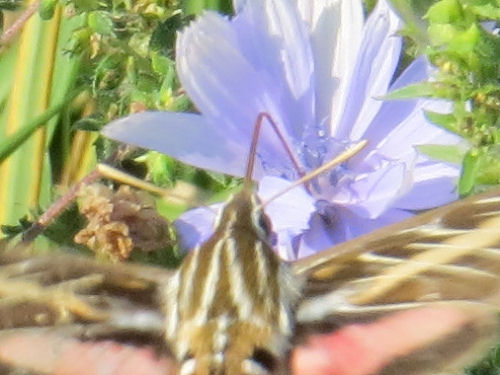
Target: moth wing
x=446, y=260
x=84, y=297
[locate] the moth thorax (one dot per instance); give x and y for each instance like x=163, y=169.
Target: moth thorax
x=230, y=306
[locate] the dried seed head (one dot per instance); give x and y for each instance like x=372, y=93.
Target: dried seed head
x=121, y=221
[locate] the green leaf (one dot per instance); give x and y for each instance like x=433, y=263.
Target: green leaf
x=424, y=89
x=161, y=168
x=164, y=36
x=11, y=143
x=10, y=4
x=489, y=10
x=91, y=123
x=466, y=41
x=161, y=64
x=196, y=6
x=446, y=153
x=470, y=169
x=100, y=22
x=489, y=173
x=440, y=34
x=446, y=121
x=445, y=11
x=47, y=8
x=481, y=168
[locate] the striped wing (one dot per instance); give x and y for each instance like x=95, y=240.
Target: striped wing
x=69, y=315
x=444, y=261
x=84, y=298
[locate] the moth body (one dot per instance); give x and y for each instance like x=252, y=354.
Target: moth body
x=230, y=306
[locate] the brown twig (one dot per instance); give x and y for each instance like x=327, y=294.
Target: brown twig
x=16, y=27
x=59, y=206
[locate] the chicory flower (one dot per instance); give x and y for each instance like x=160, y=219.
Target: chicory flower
x=320, y=70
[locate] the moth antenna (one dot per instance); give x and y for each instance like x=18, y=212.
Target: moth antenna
x=347, y=154
x=253, y=147
x=112, y=173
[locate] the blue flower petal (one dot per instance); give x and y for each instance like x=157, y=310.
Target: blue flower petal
x=211, y=66
x=260, y=61
x=275, y=40
x=195, y=226
x=376, y=63
x=290, y=212
x=371, y=194
x=435, y=184
x=187, y=137
x=335, y=225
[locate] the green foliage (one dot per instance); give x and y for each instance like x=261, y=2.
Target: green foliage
x=10, y=143
x=468, y=56
x=490, y=365
x=10, y=4
x=460, y=42
x=197, y=6
x=7, y=5
x=121, y=58
x=127, y=56
x=47, y=9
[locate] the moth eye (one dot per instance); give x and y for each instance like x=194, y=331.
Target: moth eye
x=188, y=356
x=265, y=224
x=264, y=359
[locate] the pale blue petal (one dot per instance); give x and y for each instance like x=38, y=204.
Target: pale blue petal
x=324, y=232
x=376, y=63
x=418, y=71
x=400, y=125
x=289, y=213
x=187, y=137
x=336, y=29
x=337, y=225
x=371, y=194
x=359, y=225
x=393, y=113
x=195, y=226
x=275, y=40
x=238, y=5
x=435, y=184
x=232, y=78
x=217, y=77
x=290, y=210
x=415, y=129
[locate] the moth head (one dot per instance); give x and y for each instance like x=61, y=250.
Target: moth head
x=244, y=211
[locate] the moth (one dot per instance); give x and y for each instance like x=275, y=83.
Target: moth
x=234, y=308
x=443, y=261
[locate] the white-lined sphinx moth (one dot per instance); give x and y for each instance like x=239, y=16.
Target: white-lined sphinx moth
x=448, y=258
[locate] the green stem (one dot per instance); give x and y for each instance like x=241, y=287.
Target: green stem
x=9, y=145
